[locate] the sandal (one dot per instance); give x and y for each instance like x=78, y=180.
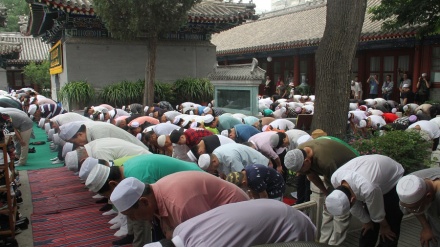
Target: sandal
x=38, y=143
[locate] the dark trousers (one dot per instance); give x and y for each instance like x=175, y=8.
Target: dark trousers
x=302, y=189
x=60, y=152
x=435, y=144
x=393, y=217
x=373, y=96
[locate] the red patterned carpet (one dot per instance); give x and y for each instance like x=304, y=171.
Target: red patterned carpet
x=65, y=214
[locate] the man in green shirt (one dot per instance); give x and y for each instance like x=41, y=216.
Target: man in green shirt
x=322, y=157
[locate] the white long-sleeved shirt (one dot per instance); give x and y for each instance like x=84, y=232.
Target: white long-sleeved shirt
x=369, y=177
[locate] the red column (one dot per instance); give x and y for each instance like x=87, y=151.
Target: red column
x=296, y=73
x=416, y=71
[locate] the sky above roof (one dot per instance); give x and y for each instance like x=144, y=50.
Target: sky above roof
x=262, y=5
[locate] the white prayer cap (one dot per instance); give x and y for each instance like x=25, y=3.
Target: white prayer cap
x=146, y=108
x=283, y=109
x=32, y=109
x=67, y=131
x=101, y=117
x=176, y=120
x=362, y=124
x=139, y=136
x=56, y=139
x=31, y=100
x=208, y=118
x=424, y=74
x=405, y=108
x=264, y=128
x=71, y=161
x=337, y=203
x=193, y=125
x=411, y=189
x=394, y=110
x=127, y=193
x=67, y=148
x=204, y=161
x=206, y=110
x=87, y=167
x=191, y=156
x=46, y=127
x=185, y=123
x=405, y=85
x=225, y=133
x=50, y=134
x=294, y=160
x=161, y=140
x=97, y=177
x=41, y=122
x=148, y=129
x=304, y=138
x=134, y=124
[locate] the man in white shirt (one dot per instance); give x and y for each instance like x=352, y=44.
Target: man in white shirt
x=366, y=186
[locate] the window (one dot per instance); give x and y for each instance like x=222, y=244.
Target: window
x=403, y=63
x=234, y=99
x=388, y=67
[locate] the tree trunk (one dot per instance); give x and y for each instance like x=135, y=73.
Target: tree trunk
x=334, y=58
x=150, y=71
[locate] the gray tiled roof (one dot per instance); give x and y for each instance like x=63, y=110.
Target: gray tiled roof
x=304, y=27
x=206, y=11
x=237, y=72
x=32, y=49
x=9, y=47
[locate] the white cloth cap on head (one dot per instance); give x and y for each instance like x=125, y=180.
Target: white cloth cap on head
x=50, y=134
x=204, y=161
x=161, y=140
x=127, y=193
x=337, y=203
x=139, y=136
x=304, y=138
x=424, y=74
x=362, y=124
x=67, y=131
x=101, y=117
x=67, y=148
x=405, y=85
x=191, y=156
x=185, y=123
x=394, y=110
x=176, y=120
x=32, y=109
x=405, y=108
x=46, y=127
x=134, y=124
x=225, y=133
x=206, y=110
x=71, y=161
x=87, y=167
x=264, y=127
x=56, y=139
x=97, y=177
x=411, y=189
x=41, y=122
x=193, y=125
x=294, y=160
x=146, y=109
x=208, y=118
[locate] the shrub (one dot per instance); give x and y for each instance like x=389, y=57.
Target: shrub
x=123, y=93
x=77, y=94
x=194, y=89
x=406, y=147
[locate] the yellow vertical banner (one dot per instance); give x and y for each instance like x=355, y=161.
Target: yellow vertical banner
x=56, y=59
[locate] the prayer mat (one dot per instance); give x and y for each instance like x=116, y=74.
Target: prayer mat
x=64, y=212
x=41, y=158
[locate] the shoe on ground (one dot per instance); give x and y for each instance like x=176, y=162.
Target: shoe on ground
x=57, y=161
x=106, y=207
x=53, y=159
x=110, y=212
x=122, y=232
x=128, y=239
x=102, y=200
x=97, y=196
x=115, y=226
x=32, y=150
